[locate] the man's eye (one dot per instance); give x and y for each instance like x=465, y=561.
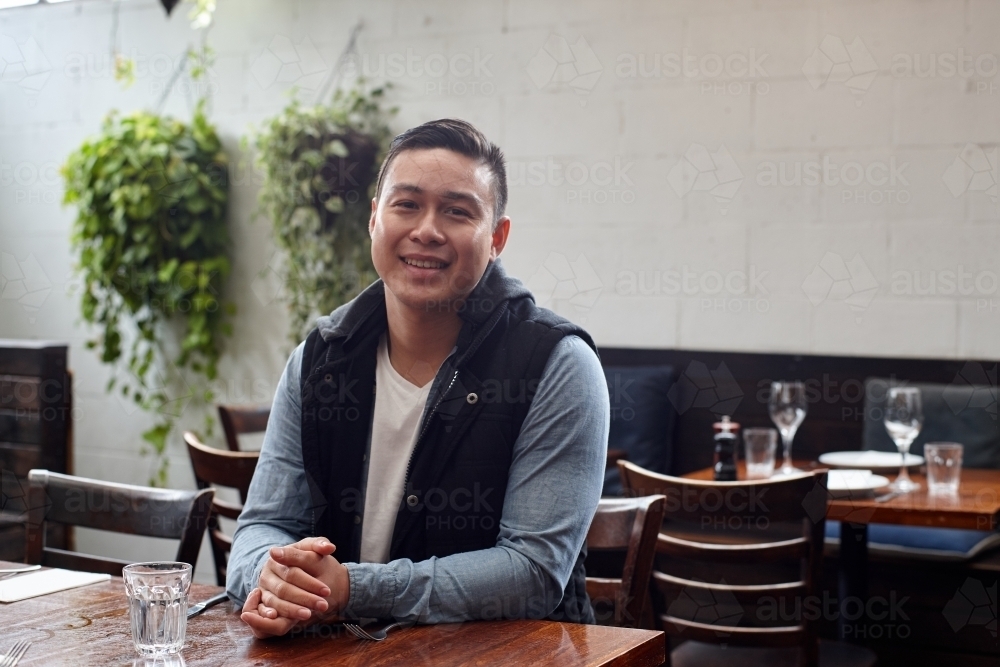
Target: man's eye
x=457, y=211
x=405, y=204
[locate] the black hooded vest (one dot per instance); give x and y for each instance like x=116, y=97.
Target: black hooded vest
x=457, y=475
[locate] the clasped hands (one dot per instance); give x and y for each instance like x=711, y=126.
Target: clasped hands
x=300, y=584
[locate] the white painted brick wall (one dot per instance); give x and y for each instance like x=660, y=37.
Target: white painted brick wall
x=648, y=222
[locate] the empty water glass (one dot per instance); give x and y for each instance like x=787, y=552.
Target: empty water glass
x=944, y=467
x=157, y=605
x=760, y=445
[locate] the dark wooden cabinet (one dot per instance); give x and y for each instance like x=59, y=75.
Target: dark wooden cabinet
x=36, y=431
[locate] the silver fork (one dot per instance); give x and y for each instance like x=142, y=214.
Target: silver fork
x=376, y=636
x=14, y=655
x=5, y=573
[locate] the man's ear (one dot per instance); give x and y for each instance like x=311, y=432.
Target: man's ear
x=371, y=220
x=500, y=233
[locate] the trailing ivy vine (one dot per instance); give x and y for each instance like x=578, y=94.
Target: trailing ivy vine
x=151, y=195
x=320, y=164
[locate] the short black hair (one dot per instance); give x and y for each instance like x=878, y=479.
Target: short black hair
x=459, y=136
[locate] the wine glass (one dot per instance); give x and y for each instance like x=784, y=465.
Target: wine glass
x=788, y=408
x=904, y=417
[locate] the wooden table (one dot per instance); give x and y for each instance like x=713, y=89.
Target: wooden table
x=89, y=626
x=975, y=507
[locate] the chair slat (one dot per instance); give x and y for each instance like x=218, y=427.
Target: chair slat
x=242, y=419
x=742, y=636
x=69, y=560
x=741, y=504
x=743, y=593
x=732, y=553
x=120, y=508
x=227, y=509
x=215, y=466
x=612, y=525
x=603, y=589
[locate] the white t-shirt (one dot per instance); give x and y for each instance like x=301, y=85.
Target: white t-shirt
x=399, y=405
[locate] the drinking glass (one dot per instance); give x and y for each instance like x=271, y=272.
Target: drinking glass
x=788, y=408
x=759, y=445
x=944, y=467
x=903, y=419
x=157, y=604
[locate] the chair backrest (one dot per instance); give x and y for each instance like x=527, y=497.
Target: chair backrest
x=237, y=419
x=221, y=468
x=629, y=524
x=121, y=508
x=757, y=533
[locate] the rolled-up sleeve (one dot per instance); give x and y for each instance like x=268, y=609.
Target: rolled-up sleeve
x=278, y=506
x=554, y=485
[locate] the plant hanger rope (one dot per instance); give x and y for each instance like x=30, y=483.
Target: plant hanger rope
x=338, y=68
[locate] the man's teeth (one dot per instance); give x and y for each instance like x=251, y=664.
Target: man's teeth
x=419, y=263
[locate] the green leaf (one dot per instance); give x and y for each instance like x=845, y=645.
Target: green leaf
x=157, y=436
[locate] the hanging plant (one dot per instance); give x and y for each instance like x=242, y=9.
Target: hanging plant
x=150, y=233
x=320, y=164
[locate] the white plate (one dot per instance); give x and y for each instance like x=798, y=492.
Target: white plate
x=869, y=460
x=855, y=483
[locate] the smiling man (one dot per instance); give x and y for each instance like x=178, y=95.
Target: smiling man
x=436, y=447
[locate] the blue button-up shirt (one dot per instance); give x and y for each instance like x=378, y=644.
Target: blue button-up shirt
x=554, y=484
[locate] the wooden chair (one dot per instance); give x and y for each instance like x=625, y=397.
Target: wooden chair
x=629, y=524
x=242, y=419
x=222, y=468
x=766, y=535
x=121, y=508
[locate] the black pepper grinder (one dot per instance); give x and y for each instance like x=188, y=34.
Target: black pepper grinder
x=726, y=437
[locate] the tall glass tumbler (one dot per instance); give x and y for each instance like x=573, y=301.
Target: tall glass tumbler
x=944, y=467
x=157, y=604
x=760, y=445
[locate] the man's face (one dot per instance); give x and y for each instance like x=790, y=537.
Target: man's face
x=432, y=228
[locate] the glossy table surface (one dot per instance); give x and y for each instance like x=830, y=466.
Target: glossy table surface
x=89, y=626
x=976, y=506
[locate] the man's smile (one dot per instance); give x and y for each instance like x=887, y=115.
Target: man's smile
x=424, y=263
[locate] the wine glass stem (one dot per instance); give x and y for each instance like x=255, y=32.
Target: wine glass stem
x=786, y=441
x=904, y=474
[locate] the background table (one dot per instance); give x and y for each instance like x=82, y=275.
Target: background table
x=89, y=626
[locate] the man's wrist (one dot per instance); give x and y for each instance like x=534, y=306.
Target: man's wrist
x=340, y=593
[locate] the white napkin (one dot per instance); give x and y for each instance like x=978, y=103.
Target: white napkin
x=43, y=582
x=849, y=479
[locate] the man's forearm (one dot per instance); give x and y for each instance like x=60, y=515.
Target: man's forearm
x=487, y=584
